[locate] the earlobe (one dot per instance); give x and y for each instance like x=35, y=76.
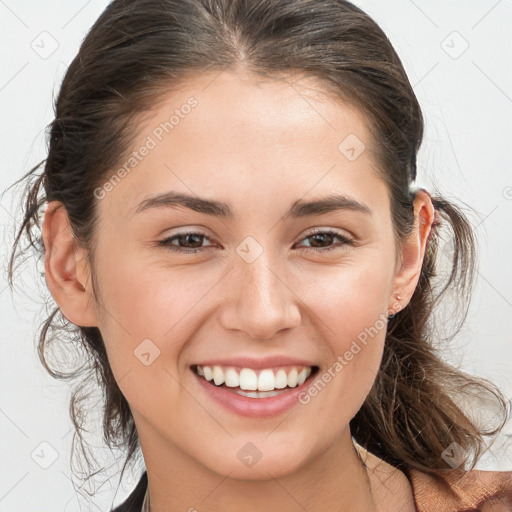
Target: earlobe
x=414, y=247
x=64, y=268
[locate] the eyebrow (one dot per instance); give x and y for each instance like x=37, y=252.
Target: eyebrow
x=223, y=210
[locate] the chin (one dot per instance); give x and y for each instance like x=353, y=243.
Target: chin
x=259, y=460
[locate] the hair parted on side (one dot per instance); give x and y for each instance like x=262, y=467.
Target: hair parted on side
x=138, y=50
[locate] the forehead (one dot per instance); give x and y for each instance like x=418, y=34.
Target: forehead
x=245, y=137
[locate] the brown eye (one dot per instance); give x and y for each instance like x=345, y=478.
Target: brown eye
x=187, y=242
x=321, y=241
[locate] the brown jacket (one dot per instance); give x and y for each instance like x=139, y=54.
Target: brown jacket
x=473, y=491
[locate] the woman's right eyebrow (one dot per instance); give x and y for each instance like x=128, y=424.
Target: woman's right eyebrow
x=299, y=209
x=178, y=199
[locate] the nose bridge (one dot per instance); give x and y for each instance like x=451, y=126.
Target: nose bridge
x=261, y=303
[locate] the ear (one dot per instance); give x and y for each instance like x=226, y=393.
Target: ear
x=66, y=271
x=413, y=250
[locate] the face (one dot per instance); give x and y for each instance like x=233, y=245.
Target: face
x=250, y=274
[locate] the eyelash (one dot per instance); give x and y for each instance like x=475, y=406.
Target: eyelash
x=345, y=240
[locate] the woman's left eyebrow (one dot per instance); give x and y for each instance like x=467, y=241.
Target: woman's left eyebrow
x=299, y=209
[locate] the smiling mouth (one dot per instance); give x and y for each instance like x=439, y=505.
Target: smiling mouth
x=252, y=383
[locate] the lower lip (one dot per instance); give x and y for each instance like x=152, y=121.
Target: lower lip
x=253, y=407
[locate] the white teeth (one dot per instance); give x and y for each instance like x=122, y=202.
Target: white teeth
x=232, y=378
x=303, y=375
x=208, y=374
x=218, y=375
x=259, y=394
x=248, y=380
x=281, y=380
x=266, y=380
x=292, y=378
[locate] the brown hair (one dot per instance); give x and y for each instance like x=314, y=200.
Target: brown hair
x=139, y=49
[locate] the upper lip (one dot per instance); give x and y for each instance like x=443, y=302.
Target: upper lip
x=256, y=363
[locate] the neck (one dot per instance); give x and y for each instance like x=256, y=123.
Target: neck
x=338, y=477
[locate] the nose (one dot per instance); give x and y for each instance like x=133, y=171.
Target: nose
x=258, y=300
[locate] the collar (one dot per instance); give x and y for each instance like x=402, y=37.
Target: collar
x=145, y=503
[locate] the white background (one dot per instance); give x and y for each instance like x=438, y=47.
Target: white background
x=467, y=102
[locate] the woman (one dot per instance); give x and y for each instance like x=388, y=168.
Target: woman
x=232, y=227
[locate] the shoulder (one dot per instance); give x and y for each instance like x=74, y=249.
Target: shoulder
x=462, y=491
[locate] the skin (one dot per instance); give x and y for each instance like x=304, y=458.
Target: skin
x=196, y=306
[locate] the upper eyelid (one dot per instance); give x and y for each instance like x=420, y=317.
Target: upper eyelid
x=308, y=234
x=315, y=230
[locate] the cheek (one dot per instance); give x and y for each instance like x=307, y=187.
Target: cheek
x=149, y=313
x=340, y=389
x=349, y=307
x=146, y=319
x=348, y=298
